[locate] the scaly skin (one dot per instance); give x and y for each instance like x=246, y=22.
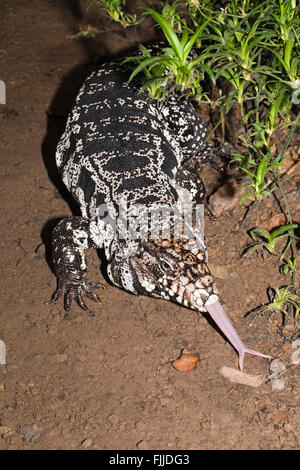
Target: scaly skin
x=120, y=146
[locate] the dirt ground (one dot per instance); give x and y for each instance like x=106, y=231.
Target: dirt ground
x=107, y=382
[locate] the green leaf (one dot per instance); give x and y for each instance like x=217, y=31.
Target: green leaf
x=283, y=229
x=286, y=269
x=288, y=51
x=261, y=170
x=191, y=42
x=145, y=63
x=255, y=247
x=262, y=232
x=184, y=38
x=168, y=31
x=251, y=175
x=246, y=197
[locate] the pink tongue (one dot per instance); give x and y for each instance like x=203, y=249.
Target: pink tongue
x=221, y=319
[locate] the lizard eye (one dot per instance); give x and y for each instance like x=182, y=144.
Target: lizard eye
x=165, y=265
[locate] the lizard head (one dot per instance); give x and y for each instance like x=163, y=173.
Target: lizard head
x=168, y=269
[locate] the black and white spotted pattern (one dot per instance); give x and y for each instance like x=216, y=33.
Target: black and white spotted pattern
x=120, y=145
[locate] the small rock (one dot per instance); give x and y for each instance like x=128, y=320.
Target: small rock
x=142, y=444
x=31, y=433
x=296, y=344
x=4, y=430
x=278, y=384
x=164, y=401
x=291, y=165
x=273, y=222
x=225, y=198
x=9, y=434
x=169, y=392
x=187, y=361
x=86, y=443
x=295, y=357
x=277, y=367
x=113, y=419
x=164, y=370
x=278, y=416
x=239, y=377
x=61, y=357
x=40, y=251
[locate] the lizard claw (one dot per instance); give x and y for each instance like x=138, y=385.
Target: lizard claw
x=76, y=290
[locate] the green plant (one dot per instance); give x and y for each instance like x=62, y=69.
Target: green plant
x=249, y=53
x=115, y=9
x=260, y=185
x=271, y=239
x=174, y=65
x=285, y=299
x=290, y=266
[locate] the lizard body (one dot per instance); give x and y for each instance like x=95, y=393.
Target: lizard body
x=119, y=146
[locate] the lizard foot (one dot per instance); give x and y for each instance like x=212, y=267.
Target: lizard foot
x=76, y=290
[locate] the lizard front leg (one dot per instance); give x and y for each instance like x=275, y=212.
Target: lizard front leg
x=70, y=238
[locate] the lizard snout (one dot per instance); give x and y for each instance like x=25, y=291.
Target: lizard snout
x=194, y=293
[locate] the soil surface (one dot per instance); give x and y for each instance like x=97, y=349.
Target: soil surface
x=107, y=382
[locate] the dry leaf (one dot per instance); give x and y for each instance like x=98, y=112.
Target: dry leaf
x=186, y=362
x=239, y=377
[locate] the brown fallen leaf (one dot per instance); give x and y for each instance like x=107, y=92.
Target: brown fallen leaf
x=239, y=377
x=186, y=362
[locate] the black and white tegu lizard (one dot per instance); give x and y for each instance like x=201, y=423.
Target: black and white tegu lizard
x=119, y=146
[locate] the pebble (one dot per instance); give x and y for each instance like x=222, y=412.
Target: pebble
x=273, y=222
x=4, y=430
x=60, y=357
x=277, y=367
x=164, y=370
x=239, y=377
x=295, y=357
x=164, y=401
x=31, y=433
x=40, y=251
x=296, y=344
x=113, y=419
x=278, y=384
x=225, y=198
x=142, y=444
x=86, y=443
x=288, y=428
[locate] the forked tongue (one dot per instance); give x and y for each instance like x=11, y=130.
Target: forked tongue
x=221, y=319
